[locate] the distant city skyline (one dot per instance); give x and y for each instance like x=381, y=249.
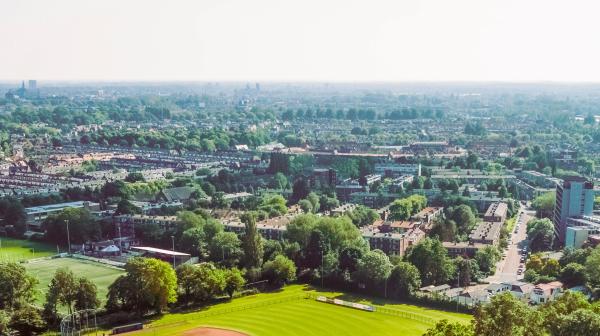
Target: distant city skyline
x=316, y=41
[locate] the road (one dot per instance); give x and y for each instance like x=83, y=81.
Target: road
x=506, y=269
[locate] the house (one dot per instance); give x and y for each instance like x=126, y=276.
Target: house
x=496, y=212
x=471, y=298
x=463, y=249
x=428, y=214
x=543, y=293
x=497, y=288
x=486, y=233
x=520, y=289
x=182, y=194
x=435, y=289
x=36, y=215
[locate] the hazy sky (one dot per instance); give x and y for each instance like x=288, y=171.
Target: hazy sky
x=322, y=40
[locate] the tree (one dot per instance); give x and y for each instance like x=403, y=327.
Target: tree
x=502, y=192
x=252, y=241
x=148, y=284
x=573, y=275
x=279, y=271
x=124, y=207
x=362, y=216
x=279, y=181
x=4, y=323
x=592, y=268
x=86, y=296
x=373, y=268
x=27, y=321
x=13, y=213
x=581, y=322
x=431, y=259
x=201, y=282
x=556, y=312
x=271, y=248
x=404, y=280
x=305, y=205
x=274, y=205
x=300, y=189
x=349, y=257
x=544, y=204
x=16, y=286
x=572, y=255
x=505, y=315
x=67, y=290
x=401, y=209
x=225, y=247
x=314, y=201
x=445, y=328
x=551, y=268
x=463, y=216
x=135, y=177
x=234, y=281
x=467, y=270
x=193, y=241
x=540, y=233
x=63, y=288
x=486, y=259
x=82, y=227
x=315, y=250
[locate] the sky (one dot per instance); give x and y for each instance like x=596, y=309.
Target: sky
x=304, y=40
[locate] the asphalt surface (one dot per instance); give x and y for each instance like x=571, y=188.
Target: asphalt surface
x=507, y=268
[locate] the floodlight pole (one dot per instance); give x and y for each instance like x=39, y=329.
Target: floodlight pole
x=322, y=275
x=173, y=241
x=68, y=238
x=385, y=288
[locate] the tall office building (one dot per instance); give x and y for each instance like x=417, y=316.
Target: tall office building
x=32, y=85
x=574, y=197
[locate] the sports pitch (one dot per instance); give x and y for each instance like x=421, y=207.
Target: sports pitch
x=291, y=312
x=19, y=250
x=99, y=274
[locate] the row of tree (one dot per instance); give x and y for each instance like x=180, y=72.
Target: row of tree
x=569, y=315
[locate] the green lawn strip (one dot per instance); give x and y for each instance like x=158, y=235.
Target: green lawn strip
x=288, y=312
x=17, y=250
x=99, y=274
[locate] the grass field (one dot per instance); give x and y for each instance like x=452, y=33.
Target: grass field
x=289, y=312
x=44, y=270
x=18, y=249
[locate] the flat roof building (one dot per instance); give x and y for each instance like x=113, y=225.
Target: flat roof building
x=574, y=197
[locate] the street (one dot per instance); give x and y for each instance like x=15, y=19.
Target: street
x=507, y=268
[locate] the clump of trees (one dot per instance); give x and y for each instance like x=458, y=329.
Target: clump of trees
x=570, y=314
x=540, y=233
x=17, y=290
x=404, y=208
x=71, y=292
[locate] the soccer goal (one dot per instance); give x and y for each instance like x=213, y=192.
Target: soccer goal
x=79, y=323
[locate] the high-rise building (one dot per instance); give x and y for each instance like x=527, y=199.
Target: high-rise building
x=574, y=197
x=32, y=85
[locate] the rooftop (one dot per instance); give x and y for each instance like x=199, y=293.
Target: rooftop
x=161, y=251
x=56, y=207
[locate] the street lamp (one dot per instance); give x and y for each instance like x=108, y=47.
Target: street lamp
x=173, y=241
x=68, y=238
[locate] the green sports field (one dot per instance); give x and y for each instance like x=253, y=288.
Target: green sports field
x=100, y=274
x=291, y=312
x=18, y=249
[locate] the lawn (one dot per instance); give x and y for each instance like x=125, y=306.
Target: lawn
x=99, y=274
x=289, y=312
x=18, y=249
